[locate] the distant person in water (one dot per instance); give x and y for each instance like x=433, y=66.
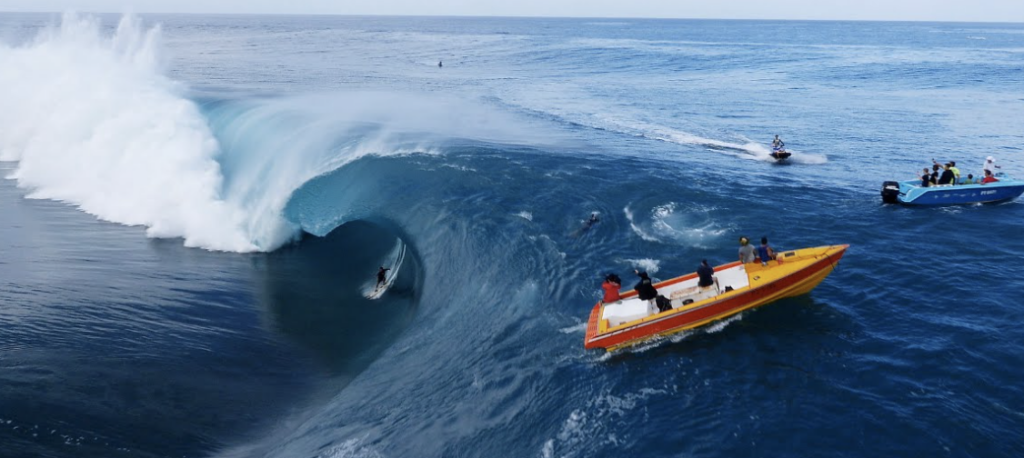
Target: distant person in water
x=439, y=65
x=381, y=276
x=593, y=220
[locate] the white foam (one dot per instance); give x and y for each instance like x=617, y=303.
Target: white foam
x=576, y=328
x=92, y=122
x=636, y=228
x=352, y=448
x=596, y=425
x=718, y=326
x=525, y=215
x=651, y=266
x=691, y=226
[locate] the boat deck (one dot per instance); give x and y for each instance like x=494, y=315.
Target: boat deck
x=682, y=293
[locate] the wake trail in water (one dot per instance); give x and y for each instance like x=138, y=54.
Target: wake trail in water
x=590, y=113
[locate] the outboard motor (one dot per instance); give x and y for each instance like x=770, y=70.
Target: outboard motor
x=890, y=192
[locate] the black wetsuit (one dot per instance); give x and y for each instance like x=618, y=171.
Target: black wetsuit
x=381, y=275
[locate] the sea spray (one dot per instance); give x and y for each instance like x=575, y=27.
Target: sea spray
x=91, y=121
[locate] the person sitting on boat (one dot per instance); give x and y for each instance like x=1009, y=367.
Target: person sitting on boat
x=990, y=165
x=926, y=178
x=951, y=166
x=969, y=179
x=746, y=251
x=989, y=178
x=611, y=287
x=765, y=252
x=645, y=288
x=778, y=144
x=947, y=176
x=706, y=275
x=935, y=174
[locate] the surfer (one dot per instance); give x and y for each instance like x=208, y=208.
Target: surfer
x=381, y=276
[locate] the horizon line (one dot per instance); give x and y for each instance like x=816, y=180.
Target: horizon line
x=471, y=16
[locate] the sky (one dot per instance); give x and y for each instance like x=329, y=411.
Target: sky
x=883, y=10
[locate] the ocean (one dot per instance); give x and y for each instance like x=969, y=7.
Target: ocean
x=195, y=207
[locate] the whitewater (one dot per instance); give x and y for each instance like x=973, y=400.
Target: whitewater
x=93, y=121
x=194, y=208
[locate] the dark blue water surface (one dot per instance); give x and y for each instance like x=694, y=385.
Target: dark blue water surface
x=336, y=142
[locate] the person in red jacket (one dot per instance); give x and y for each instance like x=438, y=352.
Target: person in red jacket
x=988, y=178
x=611, y=287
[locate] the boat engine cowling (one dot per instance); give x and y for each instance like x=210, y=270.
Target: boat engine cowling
x=890, y=192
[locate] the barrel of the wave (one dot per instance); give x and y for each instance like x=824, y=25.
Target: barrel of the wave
x=740, y=287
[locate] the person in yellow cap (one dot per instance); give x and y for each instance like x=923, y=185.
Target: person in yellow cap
x=746, y=251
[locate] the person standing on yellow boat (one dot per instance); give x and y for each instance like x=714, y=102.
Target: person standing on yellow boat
x=765, y=251
x=645, y=290
x=746, y=251
x=611, y=287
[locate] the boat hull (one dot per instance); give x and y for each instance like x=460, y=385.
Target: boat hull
x=911, y=194
x=760, y=292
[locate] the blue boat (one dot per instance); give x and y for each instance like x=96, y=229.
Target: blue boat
x=911, y=192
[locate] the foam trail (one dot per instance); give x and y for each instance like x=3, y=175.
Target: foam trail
x=91, y=121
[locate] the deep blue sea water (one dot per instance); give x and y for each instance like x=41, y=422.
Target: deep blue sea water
x=196, y=206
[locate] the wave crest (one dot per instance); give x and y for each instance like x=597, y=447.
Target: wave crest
x=91, y=121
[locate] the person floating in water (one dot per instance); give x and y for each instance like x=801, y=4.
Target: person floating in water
x=593, y=220
x=381, y=276
x=439, y=65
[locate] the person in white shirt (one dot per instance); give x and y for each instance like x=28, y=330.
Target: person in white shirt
x=990, y=165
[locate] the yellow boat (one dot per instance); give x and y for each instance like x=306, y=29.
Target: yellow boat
x=630, y=320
